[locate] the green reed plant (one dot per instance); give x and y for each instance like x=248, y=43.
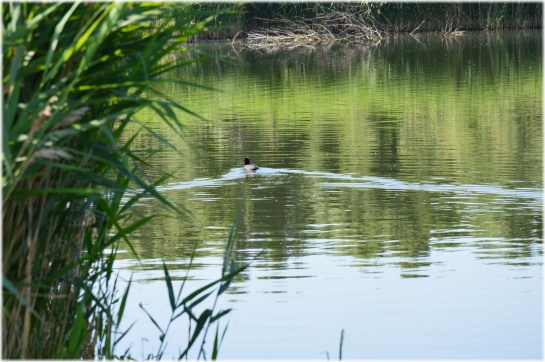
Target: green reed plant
x=74, y=76
x=186, y=306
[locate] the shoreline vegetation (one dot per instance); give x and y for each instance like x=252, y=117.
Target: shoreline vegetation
x=75, y=75
x=266, y=25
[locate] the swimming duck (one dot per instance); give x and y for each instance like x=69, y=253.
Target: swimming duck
x=249, y=167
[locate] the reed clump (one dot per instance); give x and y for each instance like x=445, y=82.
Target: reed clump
x=75, y=75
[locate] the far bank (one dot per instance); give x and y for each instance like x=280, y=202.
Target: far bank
x=238, y=21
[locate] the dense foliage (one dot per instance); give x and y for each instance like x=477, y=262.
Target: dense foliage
x=234, y=19
x=406, y=16
x=75, y=75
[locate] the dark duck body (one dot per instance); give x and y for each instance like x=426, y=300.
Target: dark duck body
x=249, y=167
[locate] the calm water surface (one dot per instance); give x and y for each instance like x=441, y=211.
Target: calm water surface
x=399, y=198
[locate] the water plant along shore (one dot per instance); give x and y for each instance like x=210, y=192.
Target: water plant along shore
x=241, y=20
x=75, y=75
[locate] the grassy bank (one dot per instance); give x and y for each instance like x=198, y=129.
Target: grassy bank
x=75, y=75
x=236, y=20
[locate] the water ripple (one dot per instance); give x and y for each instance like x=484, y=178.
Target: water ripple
x=364, y=182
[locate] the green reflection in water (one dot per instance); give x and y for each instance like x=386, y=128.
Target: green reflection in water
x=381, y=152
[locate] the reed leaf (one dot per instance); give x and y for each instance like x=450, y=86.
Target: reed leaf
x=153, y=320
x=201, y=322
x=168, y=281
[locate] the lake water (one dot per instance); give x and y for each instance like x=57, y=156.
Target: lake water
x=399, y=198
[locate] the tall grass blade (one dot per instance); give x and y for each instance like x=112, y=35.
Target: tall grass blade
x=219, y=315
x=217, y=344
x=77, y=333
x=215, y=347
x=121, y=310
x=341, y=345
x=203, y=318
x=170, y=289
x=55, y=40
x=152, y=320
